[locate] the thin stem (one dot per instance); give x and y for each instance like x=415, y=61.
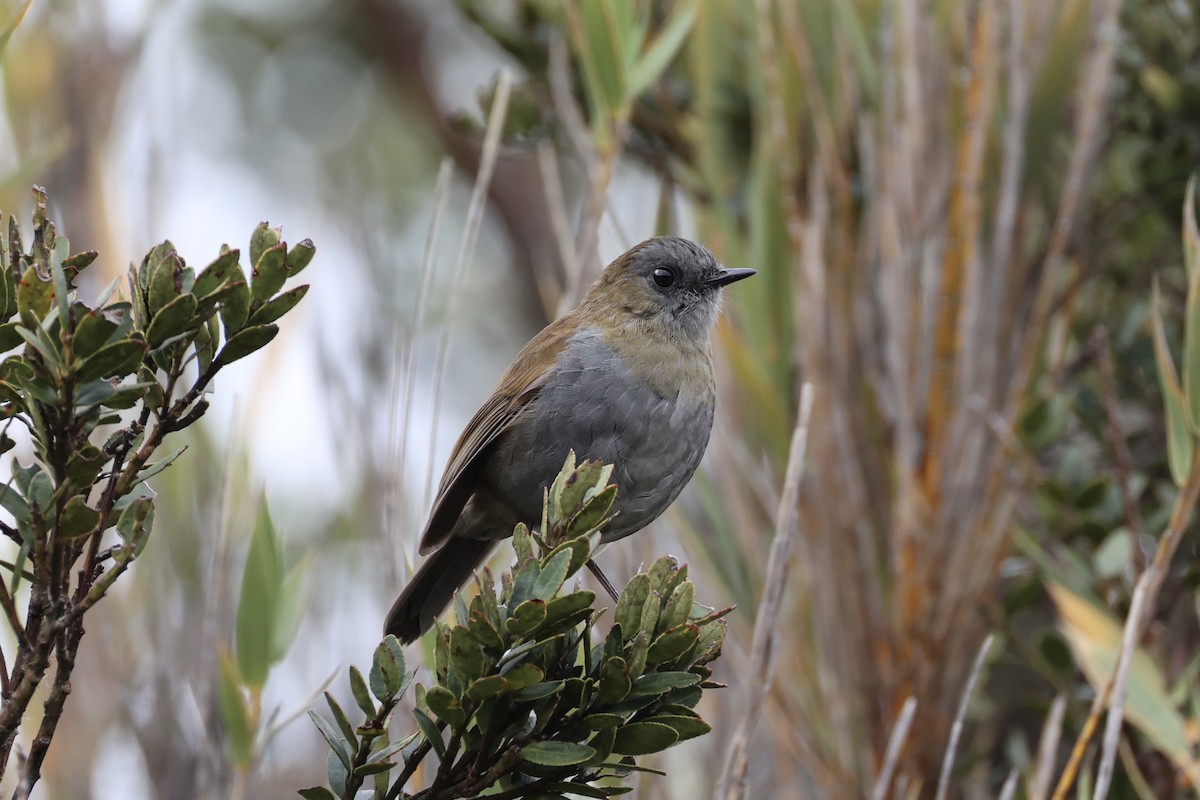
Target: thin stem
x=787, y=519
x=10, y=611
x=1148, y=587
x=410, y=766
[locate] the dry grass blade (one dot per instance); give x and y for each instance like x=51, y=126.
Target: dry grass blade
x=957, y=729
x=733, y=778
x=1145, y=594
x=402, y=416
x=894, y=747
x=557, y=203
x=1097, y=73
x=1009, y=790
x=1043, y=774
x=1116, y=713
x=487, y=165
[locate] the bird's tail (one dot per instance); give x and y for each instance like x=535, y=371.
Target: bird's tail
x=434, y=585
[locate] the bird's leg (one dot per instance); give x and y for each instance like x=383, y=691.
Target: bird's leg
x=594, y=568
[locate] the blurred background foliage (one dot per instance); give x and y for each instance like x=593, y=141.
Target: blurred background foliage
x=957, y=209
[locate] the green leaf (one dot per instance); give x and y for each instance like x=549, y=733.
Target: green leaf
x=9, y=337
x=575, y=789
x=336, y=772
x=269, y=274
x=235, y=303
x=258, y=606
x=522, y=542
x=77, y=519
x=263, y=238
x=387, y=676
x=216, y=274
x=522, y=676
x=643, y=738
x=277, y=307
x=343, y=722
x=377, y=768
x=662, y=574
x=118, y=359
x=34, y=298
x=650, y=67
x=465, y=654
x=673, y=643
x=580, y=485
x=581, y=548
x=1191, y=351
x=317, y=793
x=205, y=343
x=362, y=695
x=136, y=521
x=164, y=268
x=12, y=502
x=712, y=635
x=1180, y=444
x=245, y=342
x=633, y=598
x=235, y=716
x=234, y=299
x=551, y=577
x=441, y=701
x=173, y=319
x=615, y=682
x=594, y=512
x=40, y=341
x=526, y=618
x=523, y=581
x=686, y=727
x=639, y=648
x=557, y=754
x=563, y=607
x=538, y=691
x=430, y=731
x=339, y=746
x=679, y=606
x=92, y=332
x=300, y=255
x=487, y=687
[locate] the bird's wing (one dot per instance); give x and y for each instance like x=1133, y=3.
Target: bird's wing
x=519, y=384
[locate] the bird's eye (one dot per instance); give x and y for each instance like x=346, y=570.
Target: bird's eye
x=664, y=277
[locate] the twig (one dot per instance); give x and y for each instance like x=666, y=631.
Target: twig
x=10, y=611
x=598, y=573
x=733, y=776
x=410, y=766
x=894, y=746
x=487, y=165
x=957, y=728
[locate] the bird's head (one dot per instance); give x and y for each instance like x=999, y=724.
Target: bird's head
x=666, y=280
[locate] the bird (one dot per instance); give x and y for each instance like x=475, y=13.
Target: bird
x=626, y=377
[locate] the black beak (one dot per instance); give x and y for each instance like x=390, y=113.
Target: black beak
x=728, y=276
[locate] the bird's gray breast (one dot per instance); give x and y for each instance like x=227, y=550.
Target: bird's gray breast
x=594, y=403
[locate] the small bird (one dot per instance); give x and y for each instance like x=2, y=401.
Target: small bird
x=626, y=377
